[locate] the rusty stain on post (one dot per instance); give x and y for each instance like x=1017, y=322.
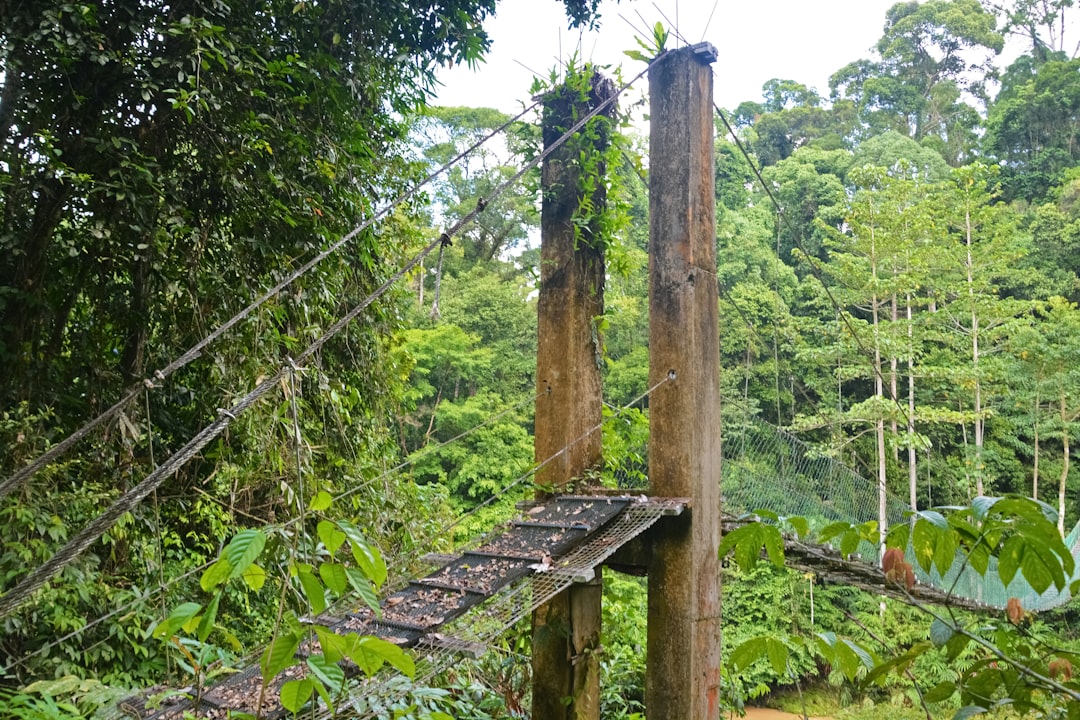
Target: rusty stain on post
x=566, y=630
x=683, y=658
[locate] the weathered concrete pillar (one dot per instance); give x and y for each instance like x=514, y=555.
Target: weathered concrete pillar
x=566, y=630
x=683, y=662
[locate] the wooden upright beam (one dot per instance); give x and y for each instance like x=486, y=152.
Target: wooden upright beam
x=683, y=659
x=566, y=630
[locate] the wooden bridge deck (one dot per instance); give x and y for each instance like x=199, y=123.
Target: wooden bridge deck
x=552, y=545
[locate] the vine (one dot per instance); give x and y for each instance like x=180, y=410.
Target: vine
x=599, y=150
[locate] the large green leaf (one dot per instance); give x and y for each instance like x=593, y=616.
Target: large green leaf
x=332, y=676
x=367, y=556
x=243, y=549
x=216, y=574
x=335, y=577
x=295, y=693
x=940, y=632
x=313, y=590
x=371, y=653
x=747, y=543
x=363, y=588
x=254, y=577
x=1037, y=561
x=756, y=648
x=333, y=645
x=900, y=663
x=330, y=535
x=940, y=692
x=178, y=618
x=279, y=654
x=321, y=501
x=206, y=624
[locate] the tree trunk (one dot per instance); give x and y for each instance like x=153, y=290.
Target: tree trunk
x=879, y=391
x=1035, y=463
x=979, y=424
x=1064, y=465
x=913, y=473
x=893, y=374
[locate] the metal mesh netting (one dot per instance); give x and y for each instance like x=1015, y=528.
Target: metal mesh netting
x=767, y=468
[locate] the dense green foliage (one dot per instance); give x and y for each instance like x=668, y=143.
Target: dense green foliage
x=909, y=309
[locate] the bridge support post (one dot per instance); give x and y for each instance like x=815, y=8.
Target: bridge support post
x=683, y=658
x=566, y=630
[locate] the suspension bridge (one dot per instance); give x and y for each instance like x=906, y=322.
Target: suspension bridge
x=547, y=563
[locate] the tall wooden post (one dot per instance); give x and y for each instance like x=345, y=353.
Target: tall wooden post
x=566, y=630
x=683, y=662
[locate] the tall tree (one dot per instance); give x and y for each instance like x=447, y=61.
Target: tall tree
x=1042, y=23
x=507, y=220
x=931, y=53
x=984, y=257
x=1034, y=129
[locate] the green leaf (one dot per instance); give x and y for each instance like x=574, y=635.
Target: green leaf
x=279, y=654
x=327, y=672
x=370, y=653
x=924, y=543
x=206, y=624
x=764, y=514
x=968, y=711
x=774, y=544
x=321, y=501
x=363, y=588
x=331, y=537
x=900, y=663
x=333, y=645
x=334, y=576
x=956, y=645
x=1038, y=562
x=367, y=557
x=778, y=656
x=940, y=692
x=849, y=543
x=216, y=574
x=243, y=549
x=313, y=590
x=945, y=549
x=833, y=530
x=747, y=542
x=897, y=536
x=321, y=689
x=759, y=647
x=866, y=657
x=800, y=524
x=179, y=617
x=980, y=507
x=848, y=658
x=255, y=577
x=295, y=693
x=933, y=517
x=940, y=632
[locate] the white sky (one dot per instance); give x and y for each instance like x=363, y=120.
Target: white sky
x=802, y=40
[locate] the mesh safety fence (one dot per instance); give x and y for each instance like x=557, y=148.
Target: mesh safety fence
x=767, y=468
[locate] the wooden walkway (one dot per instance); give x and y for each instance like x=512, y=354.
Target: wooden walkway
x=469, y=601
